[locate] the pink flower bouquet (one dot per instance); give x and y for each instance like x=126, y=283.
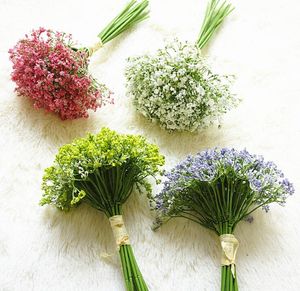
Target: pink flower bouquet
x=50, y=70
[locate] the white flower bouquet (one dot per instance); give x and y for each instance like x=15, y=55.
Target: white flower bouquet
x=175, y=87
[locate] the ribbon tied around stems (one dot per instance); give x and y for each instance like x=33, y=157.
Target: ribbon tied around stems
x=119, y=230
x=95, y=47
x=229, y=245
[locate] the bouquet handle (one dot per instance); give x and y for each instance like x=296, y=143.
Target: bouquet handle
x=229, y=245
x=133, y=277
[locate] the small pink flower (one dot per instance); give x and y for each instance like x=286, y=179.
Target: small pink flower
x=55, y=76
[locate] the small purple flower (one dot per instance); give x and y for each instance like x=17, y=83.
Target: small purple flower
x=256, y=185
x=249, y=218
x=266, y=208
x=261, y=182
x=287, y=186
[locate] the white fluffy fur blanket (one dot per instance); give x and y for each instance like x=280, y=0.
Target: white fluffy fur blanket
x=42, y=249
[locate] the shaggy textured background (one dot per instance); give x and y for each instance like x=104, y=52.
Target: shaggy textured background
x=43, y=249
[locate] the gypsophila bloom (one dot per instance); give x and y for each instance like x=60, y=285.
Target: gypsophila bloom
x=101, y=171
x=217, y=188
x=106, y=152
x=241, y=182
x=176, y=88
x=50, y=71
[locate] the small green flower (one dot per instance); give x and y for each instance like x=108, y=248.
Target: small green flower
x=100, y=170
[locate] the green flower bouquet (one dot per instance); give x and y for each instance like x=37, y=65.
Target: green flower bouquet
x=101, y=170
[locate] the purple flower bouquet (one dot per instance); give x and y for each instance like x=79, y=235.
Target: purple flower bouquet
x=218, y=188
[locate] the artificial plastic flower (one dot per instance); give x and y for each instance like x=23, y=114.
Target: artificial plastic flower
x=217, y=188
x=101, y=170
x=175, y=87
x=52, y=71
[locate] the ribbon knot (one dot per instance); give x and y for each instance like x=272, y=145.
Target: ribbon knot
x=95, y=47
x=229, y=245
x=119, y=230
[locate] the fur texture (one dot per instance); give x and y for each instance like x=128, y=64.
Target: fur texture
x=44, y=249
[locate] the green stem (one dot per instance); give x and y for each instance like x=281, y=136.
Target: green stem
x=133, y=278
x=129, y=269
x=132, y=14
x=235, y=285
x=215, y=14
x=124, y=268
x=136, y=280
x=223, y=278
x=141, y=285
x=228, y=281
x=140, y=277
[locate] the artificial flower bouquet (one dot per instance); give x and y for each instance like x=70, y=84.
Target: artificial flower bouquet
x=50, y=69
x=175, y=87
x=101, y=170
x=217, y=189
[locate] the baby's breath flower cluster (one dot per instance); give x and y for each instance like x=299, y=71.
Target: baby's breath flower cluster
x=53, y=72
x=223, y=172
x=129, y=157
x=218, y=188
x=177, y=89
x=101, y=171
x=49, y=71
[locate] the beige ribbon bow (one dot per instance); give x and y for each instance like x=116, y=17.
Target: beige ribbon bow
x=229, y=245
x=119, y=230
x=95, y=47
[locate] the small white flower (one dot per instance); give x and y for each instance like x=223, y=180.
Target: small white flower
x=177, y=89
x=49, y=183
